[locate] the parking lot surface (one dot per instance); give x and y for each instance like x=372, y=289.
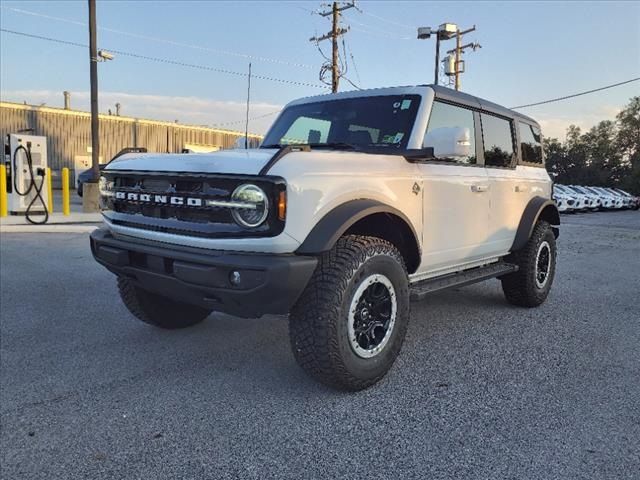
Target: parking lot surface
x=481, y=389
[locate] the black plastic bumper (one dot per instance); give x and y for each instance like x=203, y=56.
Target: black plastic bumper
x=269, y=283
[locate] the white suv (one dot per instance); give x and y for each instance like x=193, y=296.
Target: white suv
x=355, y=204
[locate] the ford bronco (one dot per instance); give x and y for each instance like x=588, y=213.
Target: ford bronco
x=354, y=205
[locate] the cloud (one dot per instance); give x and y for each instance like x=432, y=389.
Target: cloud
x=556, y=126
x=187, y=110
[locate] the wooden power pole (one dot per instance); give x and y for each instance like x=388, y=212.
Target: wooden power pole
x=334, y=34
x=458, y=51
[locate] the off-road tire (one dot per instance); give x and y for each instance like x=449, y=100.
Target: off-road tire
x=520, y=288
x=157, y=310
x=318, y=322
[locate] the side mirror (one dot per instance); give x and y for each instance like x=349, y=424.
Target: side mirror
x=449, y=142
x=421, y=155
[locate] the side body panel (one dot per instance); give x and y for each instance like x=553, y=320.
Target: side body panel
x=317, y=183
x=510, y=191
x=456, y=214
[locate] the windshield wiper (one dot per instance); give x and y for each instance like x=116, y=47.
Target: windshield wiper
x=330, y=145
x=334, y=146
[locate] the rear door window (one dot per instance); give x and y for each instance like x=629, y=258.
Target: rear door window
x=497, y=136
x=530, y=143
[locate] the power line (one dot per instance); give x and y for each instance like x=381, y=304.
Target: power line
x=375, y=31
x=166, y=60
x=244, y=119
x=163, y=40
x=578, y=94
x=391, y=22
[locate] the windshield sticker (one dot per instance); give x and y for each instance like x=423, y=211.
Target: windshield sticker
x=398, y=137
x=405, y=104
x=388, y=138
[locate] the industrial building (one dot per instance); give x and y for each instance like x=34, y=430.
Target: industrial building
x=68, y=135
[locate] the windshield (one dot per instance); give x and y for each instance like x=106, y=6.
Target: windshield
x=380, y=123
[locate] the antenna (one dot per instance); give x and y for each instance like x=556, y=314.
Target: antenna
x=246, y=125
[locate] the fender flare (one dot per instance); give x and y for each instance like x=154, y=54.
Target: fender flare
x=334, y=224
x=530, y=217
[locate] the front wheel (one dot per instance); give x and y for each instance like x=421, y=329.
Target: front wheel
x=157, y=310
x=530, y=285
x=348, y=326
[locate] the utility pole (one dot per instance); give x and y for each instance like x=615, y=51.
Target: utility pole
x=457, y=52
x=334, y=50
x=93, y=57
x=334, y=34
x=458, y=43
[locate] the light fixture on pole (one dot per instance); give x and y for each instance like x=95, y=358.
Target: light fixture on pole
x=104, y=56
x=445, y=31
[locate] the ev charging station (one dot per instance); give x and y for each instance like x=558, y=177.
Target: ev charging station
x=27, y=188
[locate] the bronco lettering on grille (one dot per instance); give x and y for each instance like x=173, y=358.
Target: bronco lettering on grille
x=161, y=199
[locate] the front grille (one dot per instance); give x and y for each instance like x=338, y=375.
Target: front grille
x=146, y=201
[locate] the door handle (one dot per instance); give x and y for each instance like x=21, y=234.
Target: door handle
x=479, y=188
x=521, y=188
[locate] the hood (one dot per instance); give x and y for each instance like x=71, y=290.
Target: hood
x=241, y=162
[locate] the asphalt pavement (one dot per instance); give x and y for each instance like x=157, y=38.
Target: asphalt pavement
x=481, y=390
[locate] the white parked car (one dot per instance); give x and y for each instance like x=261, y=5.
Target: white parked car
x=594, y=200
x=625, y=200
x=579, y=200
x=585, y=200
x=355, y=204
x=614, y=201
x=606, y=200
x=634, y=202
x=564, y=202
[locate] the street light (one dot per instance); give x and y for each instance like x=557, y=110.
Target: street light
x=424, y=33
x=104, y=56
x=445, y=31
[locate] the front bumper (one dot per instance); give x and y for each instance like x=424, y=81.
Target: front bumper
x=269, y=283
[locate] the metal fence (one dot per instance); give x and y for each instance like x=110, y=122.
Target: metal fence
x=68, y=133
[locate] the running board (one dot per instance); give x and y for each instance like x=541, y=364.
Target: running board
x=421, y=289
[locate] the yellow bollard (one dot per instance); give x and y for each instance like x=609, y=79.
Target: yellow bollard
x=66, y=210
x=4, y=209
x=49, y=191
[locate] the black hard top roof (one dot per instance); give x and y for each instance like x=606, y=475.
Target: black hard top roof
x=466, y=99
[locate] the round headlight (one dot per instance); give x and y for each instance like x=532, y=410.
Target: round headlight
x=253, y=205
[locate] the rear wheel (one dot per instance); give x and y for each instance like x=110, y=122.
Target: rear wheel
x=348, y=326
x=157, y=310
x=530, y=285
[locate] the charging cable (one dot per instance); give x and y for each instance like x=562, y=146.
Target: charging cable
x=33, y=185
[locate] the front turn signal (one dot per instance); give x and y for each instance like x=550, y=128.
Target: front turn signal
x=282, y=205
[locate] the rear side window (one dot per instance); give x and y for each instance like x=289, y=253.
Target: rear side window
x=451, y=133
x=530, y=143
x=498, y=141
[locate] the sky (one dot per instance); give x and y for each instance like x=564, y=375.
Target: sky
x=531, y=51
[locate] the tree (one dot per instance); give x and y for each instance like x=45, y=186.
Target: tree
x=607, y=155
x=556, y=160
x=628, y=144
